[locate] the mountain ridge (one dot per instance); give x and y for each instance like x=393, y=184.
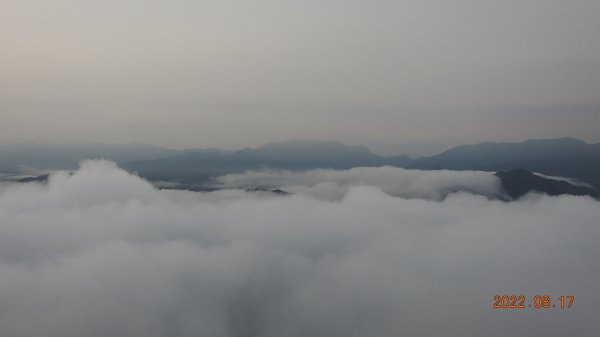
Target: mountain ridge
x=567, y=157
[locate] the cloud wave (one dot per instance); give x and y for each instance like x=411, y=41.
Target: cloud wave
x=103, y=253
x=395, y=181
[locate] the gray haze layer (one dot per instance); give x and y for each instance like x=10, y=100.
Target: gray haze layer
x=103, y=253
x=422, y=74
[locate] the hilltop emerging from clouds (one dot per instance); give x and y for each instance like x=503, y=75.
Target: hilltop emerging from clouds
x=195, y=168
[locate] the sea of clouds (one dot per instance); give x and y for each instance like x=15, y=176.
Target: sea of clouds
x=334, y=184
x=364, y=252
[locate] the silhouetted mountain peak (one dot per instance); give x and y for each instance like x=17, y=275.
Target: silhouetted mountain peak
x=555, y=141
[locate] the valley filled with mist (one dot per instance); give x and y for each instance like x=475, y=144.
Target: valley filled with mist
x=361, y=252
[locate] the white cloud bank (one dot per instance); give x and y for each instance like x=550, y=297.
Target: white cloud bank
x=334, y=184
x=102, y=253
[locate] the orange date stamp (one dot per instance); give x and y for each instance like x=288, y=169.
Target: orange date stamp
x=534, y=302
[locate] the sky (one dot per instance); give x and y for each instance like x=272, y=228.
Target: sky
x=344, y=255
x=231, y=73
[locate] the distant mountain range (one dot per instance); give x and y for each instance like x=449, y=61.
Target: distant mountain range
x=567, y=157
x=16, y=158
x=196, y=167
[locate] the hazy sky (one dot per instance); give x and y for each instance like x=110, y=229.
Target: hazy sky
x=241, y=73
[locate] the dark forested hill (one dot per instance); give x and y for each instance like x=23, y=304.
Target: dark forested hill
x=519, y=182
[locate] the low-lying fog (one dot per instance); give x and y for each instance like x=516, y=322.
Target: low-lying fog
x=103, y=253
